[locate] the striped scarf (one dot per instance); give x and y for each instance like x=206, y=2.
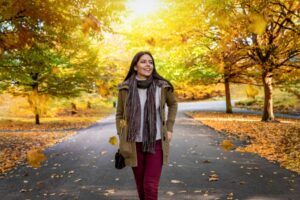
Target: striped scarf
x=134, y=112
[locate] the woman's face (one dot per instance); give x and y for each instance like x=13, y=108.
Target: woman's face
x=144, y=67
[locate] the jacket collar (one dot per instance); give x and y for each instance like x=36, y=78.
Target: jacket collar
x=161, y=83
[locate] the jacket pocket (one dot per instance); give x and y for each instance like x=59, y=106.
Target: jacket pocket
x=125, y=147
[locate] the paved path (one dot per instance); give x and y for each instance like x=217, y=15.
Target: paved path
x=82, y=168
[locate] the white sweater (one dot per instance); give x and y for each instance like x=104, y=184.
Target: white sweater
x=143, y=95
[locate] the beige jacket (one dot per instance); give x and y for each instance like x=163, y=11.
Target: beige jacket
x=128, y=149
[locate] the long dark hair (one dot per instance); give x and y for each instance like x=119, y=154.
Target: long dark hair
x=135, y=60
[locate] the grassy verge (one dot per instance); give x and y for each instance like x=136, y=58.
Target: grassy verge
x=287, y=106
x=275, y=141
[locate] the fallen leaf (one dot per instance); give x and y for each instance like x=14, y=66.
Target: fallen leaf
x=213, y=177
x=169, y=193
x=109, y=192
x=176, y=181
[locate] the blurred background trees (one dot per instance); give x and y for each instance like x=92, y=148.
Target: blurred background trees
x=207, y=49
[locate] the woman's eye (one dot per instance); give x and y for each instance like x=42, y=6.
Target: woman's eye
x=144, y=61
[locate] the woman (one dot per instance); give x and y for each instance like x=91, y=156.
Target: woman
x=144, y=133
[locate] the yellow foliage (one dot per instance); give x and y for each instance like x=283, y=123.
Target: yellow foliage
x=251, y=91
x=196, y=92
x=103, y=91
x=258, y=24
x=55, y=70
x=38, y=102
x=35, y=157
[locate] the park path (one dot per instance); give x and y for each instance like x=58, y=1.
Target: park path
x=82, y=168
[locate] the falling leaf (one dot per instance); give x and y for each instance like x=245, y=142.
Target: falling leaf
x=35, y=157
x=227, y=145
x=91, y=22
x=113, y=140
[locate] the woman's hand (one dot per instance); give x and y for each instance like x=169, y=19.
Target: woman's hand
x=169, y=133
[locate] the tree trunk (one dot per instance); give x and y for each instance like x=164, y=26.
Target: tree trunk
x=268, y=114
x=37, y=119
x=36, y=101
x=227, y=94
x=74, y=108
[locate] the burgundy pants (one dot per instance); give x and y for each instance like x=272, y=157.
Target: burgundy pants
x=148, y=171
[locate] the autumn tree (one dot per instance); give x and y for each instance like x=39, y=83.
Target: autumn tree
x=274, y=45
x=267, y=31
x=40, y=72
x=23, y=22
x=43, y=50
x=175, y=34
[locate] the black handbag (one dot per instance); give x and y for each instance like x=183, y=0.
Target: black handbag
x=119, y=160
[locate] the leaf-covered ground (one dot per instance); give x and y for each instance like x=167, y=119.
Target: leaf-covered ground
x=275, y=141
x=20, y=138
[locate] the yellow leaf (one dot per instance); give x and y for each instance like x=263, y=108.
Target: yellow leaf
x=35, y=157
x=113, y=140
x=91, y=22
x=227, y=145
